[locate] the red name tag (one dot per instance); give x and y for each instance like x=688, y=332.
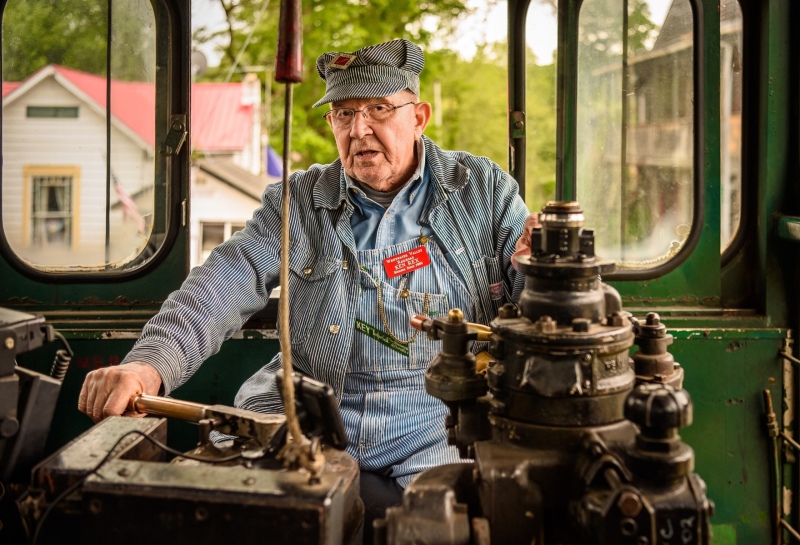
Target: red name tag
x=406, y=262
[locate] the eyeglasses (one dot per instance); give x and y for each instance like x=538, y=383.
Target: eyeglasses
x=343, y=118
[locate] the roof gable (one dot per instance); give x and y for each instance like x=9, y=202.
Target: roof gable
x=220, y=122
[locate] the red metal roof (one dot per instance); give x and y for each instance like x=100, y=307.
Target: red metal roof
x=9, y=86
x=219, y=121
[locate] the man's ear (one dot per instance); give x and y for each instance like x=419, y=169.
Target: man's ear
x=422, y=116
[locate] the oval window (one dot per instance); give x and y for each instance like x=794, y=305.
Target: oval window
x=78, y=184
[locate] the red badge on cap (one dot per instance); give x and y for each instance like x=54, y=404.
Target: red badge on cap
x=406, y=262
x=342, y=61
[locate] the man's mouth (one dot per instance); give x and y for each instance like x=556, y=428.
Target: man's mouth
x=367, y=154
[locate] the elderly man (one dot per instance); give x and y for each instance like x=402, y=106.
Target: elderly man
x=395, y=227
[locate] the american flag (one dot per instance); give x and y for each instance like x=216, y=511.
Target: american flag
x=129, y=208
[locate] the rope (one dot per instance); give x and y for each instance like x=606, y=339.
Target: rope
x=298, y=452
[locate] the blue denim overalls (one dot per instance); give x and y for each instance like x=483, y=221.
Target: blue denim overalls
x=395, y=427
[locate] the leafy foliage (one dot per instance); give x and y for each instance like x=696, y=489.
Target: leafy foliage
x=73, y=33
x=328, y=25
x=471, y=114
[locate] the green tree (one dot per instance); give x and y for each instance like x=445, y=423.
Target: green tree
x=73, y=33
x=540, y=116
x=328, y=25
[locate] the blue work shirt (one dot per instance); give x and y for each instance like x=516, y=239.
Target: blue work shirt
x=375, y=226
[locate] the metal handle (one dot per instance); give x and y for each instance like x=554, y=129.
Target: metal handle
x=170, y=408
x=289, y=65
x=483, y=332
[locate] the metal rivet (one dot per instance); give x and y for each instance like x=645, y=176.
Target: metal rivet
x=308, y=270
x=629, y=504
x=9, y=343
x=95, y=506
x=334, y=329
x=345, y=265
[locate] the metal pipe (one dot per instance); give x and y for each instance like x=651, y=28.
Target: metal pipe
x=791, y=441
x=773, y=432
x=170, y=408
x=788, y=355
x=791, y=530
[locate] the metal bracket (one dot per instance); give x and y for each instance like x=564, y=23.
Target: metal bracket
x=176, y=135
x=517, y=124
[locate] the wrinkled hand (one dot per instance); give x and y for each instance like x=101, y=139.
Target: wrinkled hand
x=523, y=246
x=109, y=391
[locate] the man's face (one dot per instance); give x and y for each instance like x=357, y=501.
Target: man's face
x=381, y=154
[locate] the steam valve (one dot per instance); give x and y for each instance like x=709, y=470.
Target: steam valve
x=658, y=411
x=652, y=362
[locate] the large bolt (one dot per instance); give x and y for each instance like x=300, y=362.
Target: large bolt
x=629, y=504
x=616, y=319
x=455, y=316
x=546, y=324
x=653, y=319
x=508, y=311
x=581, y=325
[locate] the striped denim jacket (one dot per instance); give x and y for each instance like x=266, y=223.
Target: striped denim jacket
x=474, y=211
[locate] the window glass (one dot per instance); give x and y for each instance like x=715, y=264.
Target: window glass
x=212, y=234
x=541, y=32
x=70, y=200
x=52, y=212
x=730, y=30
x=635, y=127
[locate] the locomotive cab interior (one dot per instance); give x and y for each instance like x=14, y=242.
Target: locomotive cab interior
x=644, y=389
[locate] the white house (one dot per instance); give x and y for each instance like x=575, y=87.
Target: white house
x=56, y=212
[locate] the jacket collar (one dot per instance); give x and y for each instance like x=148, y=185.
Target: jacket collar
x=447, y=175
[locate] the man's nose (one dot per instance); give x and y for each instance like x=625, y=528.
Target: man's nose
x=360, y=126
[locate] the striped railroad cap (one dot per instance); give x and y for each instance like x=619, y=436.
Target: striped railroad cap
x=374, y=71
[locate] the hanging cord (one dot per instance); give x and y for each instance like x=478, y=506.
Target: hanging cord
x=62, y=359
x=298, y=452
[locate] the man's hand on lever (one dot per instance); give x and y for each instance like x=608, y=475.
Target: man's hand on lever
x=109, y=391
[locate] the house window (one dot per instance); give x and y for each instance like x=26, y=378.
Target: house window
x=52, y=210
x=212, y=234
x=52, y=111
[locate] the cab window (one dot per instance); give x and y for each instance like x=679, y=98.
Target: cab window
x=79, y=134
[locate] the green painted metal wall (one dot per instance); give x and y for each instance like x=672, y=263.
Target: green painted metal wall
x=726, y=372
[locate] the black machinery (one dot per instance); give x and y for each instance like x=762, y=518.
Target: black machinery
x=114, y=484
x=573, y=443
x=27, y=403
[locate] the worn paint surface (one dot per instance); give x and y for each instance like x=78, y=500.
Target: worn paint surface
x=726, y=373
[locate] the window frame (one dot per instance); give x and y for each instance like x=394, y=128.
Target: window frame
x=172, y=96
x=692, y=276
x=29, y=175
